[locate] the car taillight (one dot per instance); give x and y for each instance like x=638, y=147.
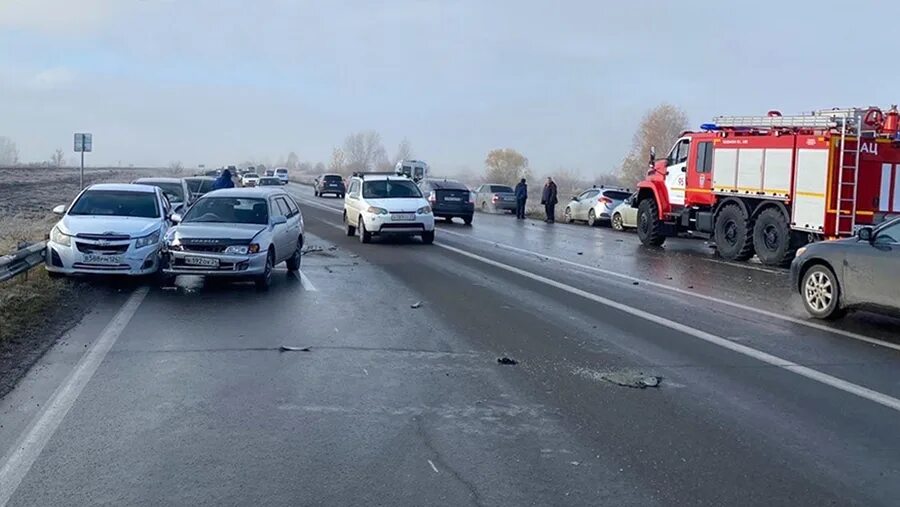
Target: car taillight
x=604, y=200
x=432, y=197
x=495, y=198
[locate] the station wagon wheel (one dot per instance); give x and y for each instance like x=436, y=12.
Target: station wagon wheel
x=264, y=280
x=821, y=293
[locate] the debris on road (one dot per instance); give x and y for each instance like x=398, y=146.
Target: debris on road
x=507, y=360
x=634, y=283
x=625, y=378
x=417, y=304
x=580, y=253
x=288, y=348
x=318, y=249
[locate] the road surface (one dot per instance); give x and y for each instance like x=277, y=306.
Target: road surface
x=184, y=397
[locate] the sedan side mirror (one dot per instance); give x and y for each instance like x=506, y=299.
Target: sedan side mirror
x=574, y=197
x=865, y=234
x=60, y=210
x=278, y=220
x=175, y=218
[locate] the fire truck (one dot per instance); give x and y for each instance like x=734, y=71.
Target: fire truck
x=767, y=185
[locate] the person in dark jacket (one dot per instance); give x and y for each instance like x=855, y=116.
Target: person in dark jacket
x=223, y=181
x=549, y=200
x=521, y=197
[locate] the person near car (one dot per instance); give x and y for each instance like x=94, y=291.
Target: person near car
x=549, y=200
x=521, y=197
x=223, y=181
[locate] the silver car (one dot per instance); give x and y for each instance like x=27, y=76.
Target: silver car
x=494, y=197
x=595, y=205
x=238, y=232
x=176, y=191
x=624, y=216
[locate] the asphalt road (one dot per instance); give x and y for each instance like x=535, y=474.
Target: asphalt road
x=183, y=397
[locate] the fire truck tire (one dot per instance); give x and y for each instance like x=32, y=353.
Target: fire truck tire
x=772, y=238
x=733, y=234
x=649, y=224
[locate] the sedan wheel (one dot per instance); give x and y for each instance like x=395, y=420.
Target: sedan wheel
x=821, y=293
x=592, y=218
x=617, y=222
x=567, y=215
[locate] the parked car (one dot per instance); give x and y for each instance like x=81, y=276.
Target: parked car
x=594, y=205
x=249, y=180
x=199, y=185
x=833, y=276
x=269, y=172
x=382, y=204
x=238, y=233
x=282, y=174
x=494, y=197
x=449, y=199
x=624, y=216
x=269, y=181
x=329, y=184
x=109, y=228
x=176, y=191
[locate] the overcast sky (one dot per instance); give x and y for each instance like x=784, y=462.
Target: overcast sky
x=564, y=82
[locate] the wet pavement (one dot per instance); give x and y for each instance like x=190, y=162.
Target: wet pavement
x=625, y=389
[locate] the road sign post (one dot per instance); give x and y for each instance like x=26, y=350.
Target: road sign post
x=83, y=143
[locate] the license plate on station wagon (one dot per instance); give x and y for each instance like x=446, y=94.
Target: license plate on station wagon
x=102, y=259
x=400, y=217
x=201, y=261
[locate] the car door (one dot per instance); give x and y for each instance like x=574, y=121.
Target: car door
x=352, y=202
x=629, y=212
x=676, y=168
x=293, y=225
x=871, y=269
x=583, y=204
x=278, y=208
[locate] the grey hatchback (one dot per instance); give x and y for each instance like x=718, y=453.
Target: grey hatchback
x=862, y=271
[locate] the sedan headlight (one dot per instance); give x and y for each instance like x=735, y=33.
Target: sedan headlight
x=242, y=249
x=424, y=210
x=800, y=251
x=377, y=211
x=150, y=239
x=59, y=237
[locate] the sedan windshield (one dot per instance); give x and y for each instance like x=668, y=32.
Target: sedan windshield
x=229, y=210
x=118, y=203
x=388, y=189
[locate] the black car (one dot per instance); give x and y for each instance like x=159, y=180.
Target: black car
x=329, y=184
x=863, y=271
x=449, y=199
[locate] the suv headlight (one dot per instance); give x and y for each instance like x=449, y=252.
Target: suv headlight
x=377, y=211
x=424, y=210
x=150, y=239
x=59, y=237
x=242, y=249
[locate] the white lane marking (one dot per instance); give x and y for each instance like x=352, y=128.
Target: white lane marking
x=787, y=318
x=433, y=467
x=306, y=282
x=29, y=447
x=804, y=371
x=366, y=372
x=747, y=266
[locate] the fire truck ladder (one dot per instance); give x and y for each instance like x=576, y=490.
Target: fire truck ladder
x=848, y=122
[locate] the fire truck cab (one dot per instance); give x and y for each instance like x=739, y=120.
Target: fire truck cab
x=767, y=185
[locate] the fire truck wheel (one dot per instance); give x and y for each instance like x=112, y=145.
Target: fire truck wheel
x=772, y=238
x=649, y=224
x=734, y=236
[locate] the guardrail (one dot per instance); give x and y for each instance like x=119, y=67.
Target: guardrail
x=21, y=260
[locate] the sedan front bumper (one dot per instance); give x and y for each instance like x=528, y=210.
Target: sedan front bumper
x=68, y=260
x=176, y=263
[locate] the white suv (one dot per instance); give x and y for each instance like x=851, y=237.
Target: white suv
x=385, y=203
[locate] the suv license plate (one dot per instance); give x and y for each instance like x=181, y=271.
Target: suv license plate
x=397, y=217
x=102, y=259
x=454, y=199
x=201, y=261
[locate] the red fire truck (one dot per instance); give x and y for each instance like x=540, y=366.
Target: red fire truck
x=770, y=184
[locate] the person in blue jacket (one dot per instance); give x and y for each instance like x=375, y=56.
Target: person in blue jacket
x=521, y=197
x=223, y=181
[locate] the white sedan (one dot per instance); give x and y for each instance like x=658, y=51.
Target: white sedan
x=624, y=216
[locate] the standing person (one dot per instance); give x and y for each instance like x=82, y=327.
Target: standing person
x=521, y=197
x=223, y=181
x=549, y=200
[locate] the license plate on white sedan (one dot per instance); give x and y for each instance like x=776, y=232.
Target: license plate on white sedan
x=401, y=217
x=201, y=261
x=102, y=259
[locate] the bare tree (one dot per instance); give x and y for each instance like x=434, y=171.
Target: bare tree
x=568, y=182
x=305, y=167
x=58, y=158
x=404, y=151
x=505, y=165
x=659, y=129
x=338, y=162
x=319, y=168
x=9, y=152
x=292, y=161
x=176, y=166
x=365, y=152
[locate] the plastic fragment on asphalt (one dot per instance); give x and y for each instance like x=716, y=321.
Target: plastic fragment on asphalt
x=288, y=348
x=625, y=378
x=417, y=304
x=507, y=360
x=634, y=283
x=580, y=253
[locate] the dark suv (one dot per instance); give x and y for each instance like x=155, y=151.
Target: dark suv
x=449, y=199
x=329, y=184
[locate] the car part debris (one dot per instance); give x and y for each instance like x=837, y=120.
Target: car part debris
x=417, y=304
x=288, y=348
x=507, y=360
x=635, y=379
